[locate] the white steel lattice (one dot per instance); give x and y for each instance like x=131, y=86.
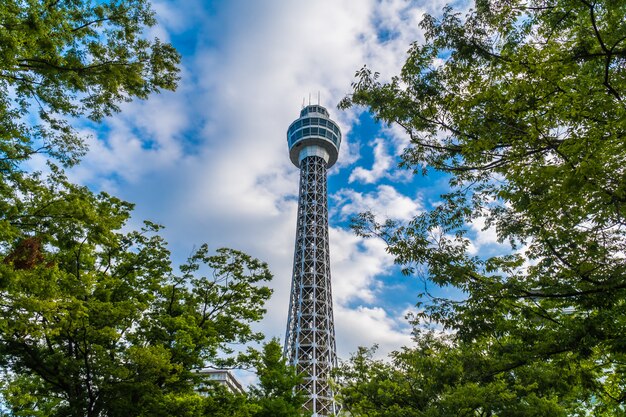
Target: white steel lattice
x=310, y=339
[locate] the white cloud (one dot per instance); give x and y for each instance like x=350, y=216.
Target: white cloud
x=385, y=202
x=385, y=164
x=400, y=139
x=356, y=263
x=484, y=240
x=366, y=326
x=484, y=235
x=382, y=164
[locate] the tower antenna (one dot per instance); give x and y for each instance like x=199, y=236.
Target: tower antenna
x=318, y=98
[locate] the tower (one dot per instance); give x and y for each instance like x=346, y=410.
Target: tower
x=313, y=141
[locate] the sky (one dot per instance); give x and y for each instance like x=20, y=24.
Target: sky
x=210, y=161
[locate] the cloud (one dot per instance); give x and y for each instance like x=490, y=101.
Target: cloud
x=356, y=264
x=366, y=326
x=484, y=235
x=484, y=240
x=382, y=164
x=385, y=202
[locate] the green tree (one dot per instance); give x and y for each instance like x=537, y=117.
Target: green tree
x=277, y=394
x=60, y=60
x=219, y=402
x=441, y=377
x=94, y=322
x=521, y=103
x=65, y=58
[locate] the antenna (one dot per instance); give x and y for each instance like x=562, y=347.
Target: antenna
x=318, y=98
x=302, y=102
x=309, y=99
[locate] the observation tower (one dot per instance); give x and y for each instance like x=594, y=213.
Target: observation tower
x=314, y=141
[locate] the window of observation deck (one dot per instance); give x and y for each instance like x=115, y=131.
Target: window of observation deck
x=314, y=109
x=295, y=134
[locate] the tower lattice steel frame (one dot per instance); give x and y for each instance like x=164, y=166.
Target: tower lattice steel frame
x=314, y=142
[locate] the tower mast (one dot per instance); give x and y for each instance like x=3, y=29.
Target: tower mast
x=314, y=141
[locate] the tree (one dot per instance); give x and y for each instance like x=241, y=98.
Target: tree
x=65, y=58
x=277, y=394
x=94, y=323
x=521, y=103
x=60, y=60
x=93, y=320
x=441, y=377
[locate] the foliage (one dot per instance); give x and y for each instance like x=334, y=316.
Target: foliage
x=59, y=60
x=522, y=105
x=277, y=395
x=440, y=378
x=65, y=58
x=94, y=322
x=219, y=402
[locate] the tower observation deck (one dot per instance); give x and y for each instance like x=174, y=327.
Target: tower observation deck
x=314, y=142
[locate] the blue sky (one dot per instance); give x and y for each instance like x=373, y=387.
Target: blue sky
x=210, y=161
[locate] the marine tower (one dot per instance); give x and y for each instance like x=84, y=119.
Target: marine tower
x=314, y=142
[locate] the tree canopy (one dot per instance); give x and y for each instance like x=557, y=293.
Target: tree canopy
x=94, y=321
x=101, y=326
x=64, y=58
x=277, y=394
x=61, y=60
x=521, y=103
